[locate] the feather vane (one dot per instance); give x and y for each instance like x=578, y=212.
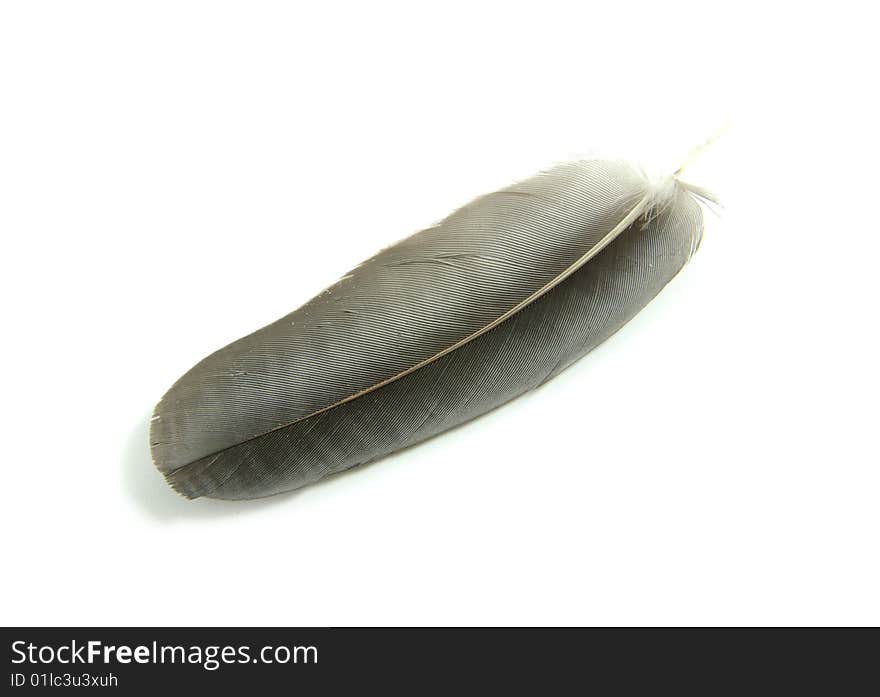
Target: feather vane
x=433, y=331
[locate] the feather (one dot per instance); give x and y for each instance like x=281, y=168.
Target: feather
x=445, y=325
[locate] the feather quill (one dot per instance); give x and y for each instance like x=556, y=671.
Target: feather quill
x=442, y=327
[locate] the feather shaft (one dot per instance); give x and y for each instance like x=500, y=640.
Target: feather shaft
x=429, y=333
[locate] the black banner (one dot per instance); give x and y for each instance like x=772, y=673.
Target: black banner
x=135, y=661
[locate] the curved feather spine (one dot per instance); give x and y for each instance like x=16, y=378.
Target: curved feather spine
x=213, y=469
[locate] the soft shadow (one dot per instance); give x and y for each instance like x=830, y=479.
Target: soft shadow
x=147, y=487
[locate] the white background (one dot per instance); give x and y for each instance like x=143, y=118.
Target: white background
x=174, y=175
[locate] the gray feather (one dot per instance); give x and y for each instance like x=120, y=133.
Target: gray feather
x=443, y=326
